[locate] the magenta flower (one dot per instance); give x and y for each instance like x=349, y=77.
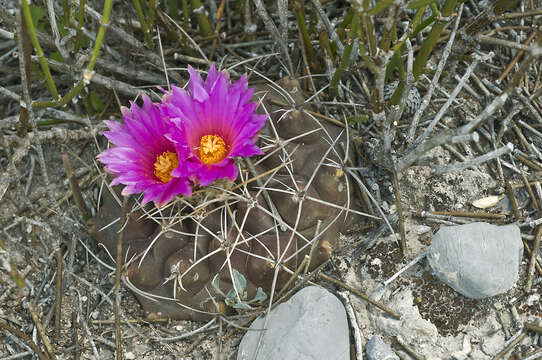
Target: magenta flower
x=215, y=122
x=143, y=158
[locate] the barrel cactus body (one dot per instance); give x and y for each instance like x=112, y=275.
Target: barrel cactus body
x=239, y=240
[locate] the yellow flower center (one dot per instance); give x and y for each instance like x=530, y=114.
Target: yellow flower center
x=164, y=164
x=212, y=149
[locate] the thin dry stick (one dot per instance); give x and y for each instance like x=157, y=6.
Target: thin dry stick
x=362, y=295
x=75, y=336
x=353, y=324
x=273, y=31
x=451, y=98
x=25, y=338
x=118, y=275
x=534, y=253
x=469, y=214
x=513, y=15
x=399, y=206
x=508, y=148
x=529, y=189
x=329, y=27
x=512, y=342
x=294, y=276
x=501, y=42
x=59, y=292
x=515, y=59
x=43, y=336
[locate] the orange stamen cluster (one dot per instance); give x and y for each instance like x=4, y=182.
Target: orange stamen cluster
x=212, y=149
x=165, y=163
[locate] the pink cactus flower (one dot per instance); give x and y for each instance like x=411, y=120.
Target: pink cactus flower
x=142, y=157
x=215, y=122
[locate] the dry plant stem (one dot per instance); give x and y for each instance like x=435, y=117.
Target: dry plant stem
x=512, y=342
x=525, y=13
x=532, y=263
x=329, y=27
x=444, y=137
x=60, y=135
x=118, y=276
x=528, y=250
x=354, y=327
x=531, y=163
x=26, y=95
x=397, y=112
x=301, y=267
x=500, y=42
x=508, y=148
x=525, y=65
x=405, y=268
x=534, y=355
x=533, y=327
x=362, y=295
x=219, y=14
x=75, y=336
x=282, y=10
x=408, y=349
x=76, y=190
x=273, y=31
x=85, y=326
x=196, y=46
x=18, y=356
x=529, y=189
x=106, y=298
x=506, y=121
x=516, y=58
x=495, y=105
x=43, y=336
x=528, y=103
x=59, y=293
x=54, y=28
x=451, y=98
x=496, y=8
x=24, y=338
x=399, y=206
x=468, y=214
x=134, y=321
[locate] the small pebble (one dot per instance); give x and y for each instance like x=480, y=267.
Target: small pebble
x=422, y=229
x=377, y=349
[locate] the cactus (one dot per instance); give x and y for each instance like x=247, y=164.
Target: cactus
x=288, y=203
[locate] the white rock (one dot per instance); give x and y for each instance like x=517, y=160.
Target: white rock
x=311, y=325
x=422, y=229
x=465, y=351
x=491, y=345
x=129, y=355
x=487, y=202
x=411, y=327
x=478, y=260
x=377, y=349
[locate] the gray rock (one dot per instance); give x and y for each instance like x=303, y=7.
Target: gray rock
x=377, y=349
x=311, y=325
x=479, y=259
